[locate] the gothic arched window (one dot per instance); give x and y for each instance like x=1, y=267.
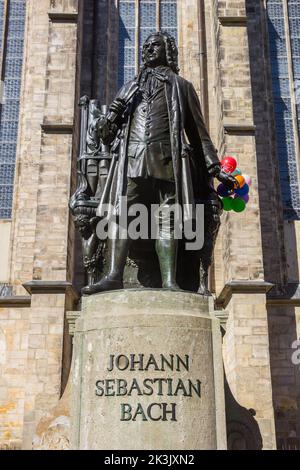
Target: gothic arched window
x=12, y=25
x=138, y=19
x=284, y=47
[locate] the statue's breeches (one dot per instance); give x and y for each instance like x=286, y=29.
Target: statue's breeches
x=149, y=191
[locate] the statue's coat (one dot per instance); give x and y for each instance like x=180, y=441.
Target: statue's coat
x=193, y=153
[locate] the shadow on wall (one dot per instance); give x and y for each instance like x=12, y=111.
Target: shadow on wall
x=285, y=376
x=242, y=429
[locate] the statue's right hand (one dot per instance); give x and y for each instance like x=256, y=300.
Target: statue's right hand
x=118, y=107
x=106, y=130
x=102, y=128
x=228, y=180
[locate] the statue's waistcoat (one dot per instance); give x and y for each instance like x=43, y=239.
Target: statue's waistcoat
x=149, y=148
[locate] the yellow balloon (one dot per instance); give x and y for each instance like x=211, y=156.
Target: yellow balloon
x=241, y=180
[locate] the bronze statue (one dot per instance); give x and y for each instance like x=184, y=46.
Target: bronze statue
x=160, y=152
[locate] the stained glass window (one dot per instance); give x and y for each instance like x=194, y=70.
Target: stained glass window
x=168, y=16
x=9, y=111
x=138, y=19
x=282, y=81
x=294, y=22
x=1, y=21
x=147, y=21
x=127, y=13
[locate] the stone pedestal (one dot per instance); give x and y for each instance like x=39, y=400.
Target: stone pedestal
x=147, y=373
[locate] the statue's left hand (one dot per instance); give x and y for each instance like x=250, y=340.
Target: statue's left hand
x=228, y=180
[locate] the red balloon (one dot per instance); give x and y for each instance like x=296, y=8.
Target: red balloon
x=229, y=164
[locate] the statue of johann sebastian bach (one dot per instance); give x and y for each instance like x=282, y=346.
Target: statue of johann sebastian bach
x=162, y=127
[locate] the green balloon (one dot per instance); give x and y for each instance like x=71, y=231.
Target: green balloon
x=238, y=205
x=227, y=203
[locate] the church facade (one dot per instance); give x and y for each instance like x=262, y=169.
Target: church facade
x=243, y=57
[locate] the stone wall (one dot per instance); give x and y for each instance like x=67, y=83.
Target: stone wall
x=42, y=387
x=284, y=323
x=13, y=365
x=239, y=250
x=32, y=339
x=44, y=159
x=189, y=45
x=5, y=229
x=280, y=239
x=247, y=360
x=241, y=253
x=271, y=214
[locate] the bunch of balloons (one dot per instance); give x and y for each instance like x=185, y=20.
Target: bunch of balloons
x=237, y=198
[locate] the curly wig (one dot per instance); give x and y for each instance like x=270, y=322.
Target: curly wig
x=171, y=49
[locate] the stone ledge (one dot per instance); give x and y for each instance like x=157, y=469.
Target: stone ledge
x=165, y=301
x=15, y=301
x=239, y=129
x=62, y=17
x=285, y=295
x=56, y=128
x=50, y=287
x=222, y=316
x=241, y=287
x=71, y=319
x=233, y=20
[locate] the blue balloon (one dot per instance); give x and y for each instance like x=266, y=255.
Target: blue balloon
x=242, y=191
